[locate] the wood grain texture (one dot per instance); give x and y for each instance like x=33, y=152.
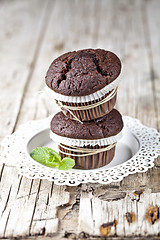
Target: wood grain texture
x=32, y=34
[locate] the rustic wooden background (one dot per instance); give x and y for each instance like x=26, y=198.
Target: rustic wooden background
x=32, y=34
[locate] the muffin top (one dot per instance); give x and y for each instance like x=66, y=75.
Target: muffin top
x=82, y=72
x=109, y=125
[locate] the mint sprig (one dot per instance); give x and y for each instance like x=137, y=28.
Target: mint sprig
x=51, y=158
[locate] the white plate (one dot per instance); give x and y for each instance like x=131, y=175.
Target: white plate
x=135, y=152
x=126, y=148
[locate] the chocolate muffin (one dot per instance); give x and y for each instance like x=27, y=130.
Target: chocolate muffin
x=84, y=83
x=91, y=144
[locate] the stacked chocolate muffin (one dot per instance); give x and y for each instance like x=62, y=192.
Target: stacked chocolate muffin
x=84, y=84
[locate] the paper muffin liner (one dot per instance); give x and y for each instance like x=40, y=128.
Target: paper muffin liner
x=90, y=113
x=89, y=162
x=82, y=99
x=84, y=142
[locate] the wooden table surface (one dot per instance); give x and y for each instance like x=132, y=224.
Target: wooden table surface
x=32, y=34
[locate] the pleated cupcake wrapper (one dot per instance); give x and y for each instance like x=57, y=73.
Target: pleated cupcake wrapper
x=89, y=162
x=83, y=151
x=84, y=142
x=92, y=110
x=82, y=99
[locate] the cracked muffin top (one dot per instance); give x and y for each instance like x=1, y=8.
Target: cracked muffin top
x=82, y=72
x=109, y=125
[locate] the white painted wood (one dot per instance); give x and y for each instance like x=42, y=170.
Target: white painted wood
x=32, y=34
x=152, y=21
x=21, y=23
x=95, y=212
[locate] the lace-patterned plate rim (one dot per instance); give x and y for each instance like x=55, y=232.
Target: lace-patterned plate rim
x=15, y=145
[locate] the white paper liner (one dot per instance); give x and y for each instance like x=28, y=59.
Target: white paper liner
x=94, y=96
x=84, y=142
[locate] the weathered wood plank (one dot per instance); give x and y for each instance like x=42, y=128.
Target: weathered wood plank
x=21, y=24
x=152, y=20
x=95, y=212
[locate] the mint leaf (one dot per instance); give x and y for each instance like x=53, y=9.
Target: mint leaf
x=46, y=156
x=66, y=164
x=51, y=158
